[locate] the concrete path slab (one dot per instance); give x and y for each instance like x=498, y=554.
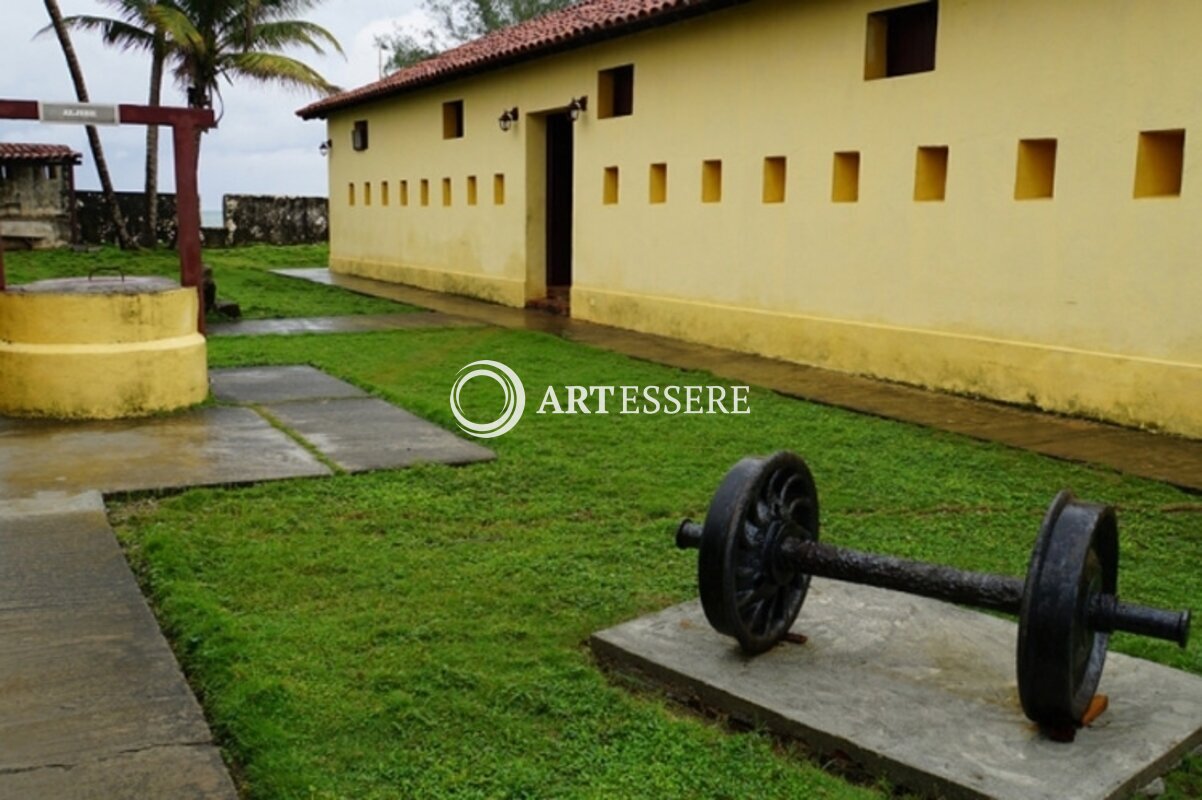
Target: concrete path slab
x=278, y=385
x=346, y=324
x=368, y=433
x=92, y=701
x=1172, y=459
x=920, y=691
x=208, y=446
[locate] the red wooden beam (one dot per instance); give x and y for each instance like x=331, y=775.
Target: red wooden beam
x=187, y=214
x=18, y=109
x=130, y=114
x=201, y=118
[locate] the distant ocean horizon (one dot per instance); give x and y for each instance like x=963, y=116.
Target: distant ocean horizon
x=211, y=219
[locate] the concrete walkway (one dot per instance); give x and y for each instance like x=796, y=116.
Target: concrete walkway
x=348, y=324
x=92, y=702
x=1171, y=459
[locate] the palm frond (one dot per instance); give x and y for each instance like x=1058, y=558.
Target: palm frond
x=289, y=33
x=278, y=69
x=113, y=32
x=180, y=31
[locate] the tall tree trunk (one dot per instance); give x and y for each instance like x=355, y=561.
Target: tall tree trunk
x=151, y=235
x=81, y=92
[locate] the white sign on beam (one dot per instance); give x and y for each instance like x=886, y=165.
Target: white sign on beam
x=79, y=113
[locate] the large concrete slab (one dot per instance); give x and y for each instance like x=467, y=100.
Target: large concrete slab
x=92, y=702
x=367, y=433
x=208, y=446
x=278, y=385
x=920, y=691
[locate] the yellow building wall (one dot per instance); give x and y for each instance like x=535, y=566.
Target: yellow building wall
x=1087, y=302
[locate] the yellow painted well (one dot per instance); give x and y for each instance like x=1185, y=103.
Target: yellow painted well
x=1062, y=272
x=100, y=356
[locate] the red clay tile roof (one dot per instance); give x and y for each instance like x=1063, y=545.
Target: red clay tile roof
x=17, y=151
x=574, y=26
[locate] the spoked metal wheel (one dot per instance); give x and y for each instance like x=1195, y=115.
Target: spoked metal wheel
x=748, y=590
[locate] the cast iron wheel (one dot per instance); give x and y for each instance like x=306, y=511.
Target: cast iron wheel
x=747, y=590
x=1060, y=655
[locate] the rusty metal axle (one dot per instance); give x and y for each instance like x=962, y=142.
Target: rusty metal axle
x=794, y=551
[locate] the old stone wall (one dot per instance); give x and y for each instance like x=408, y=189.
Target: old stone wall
x=251, y=219
x=248, y=219
x=96, y=224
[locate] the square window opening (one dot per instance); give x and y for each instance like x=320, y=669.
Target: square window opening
x=775, y=169
x=845, y=184
x=901, y=41
x=1159, y=163
x=359, y=135
x=930, y=174
x=659, y=183
x=1035, y=174
x=452, y=119
x=615, y=92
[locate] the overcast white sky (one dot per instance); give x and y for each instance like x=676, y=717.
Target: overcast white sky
x=261, y=146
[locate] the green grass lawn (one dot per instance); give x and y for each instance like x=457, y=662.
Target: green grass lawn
x=242, y=275
x=422, y=633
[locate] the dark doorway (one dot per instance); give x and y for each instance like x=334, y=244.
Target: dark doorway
x=559, y=211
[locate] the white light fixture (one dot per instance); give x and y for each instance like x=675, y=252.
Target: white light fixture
x=508, y=118
x=577, y=107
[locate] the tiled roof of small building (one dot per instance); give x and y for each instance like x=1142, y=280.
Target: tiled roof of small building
x=19, y=151
x=574, y=26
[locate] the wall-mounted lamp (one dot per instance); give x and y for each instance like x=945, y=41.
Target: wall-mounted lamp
x=576, y=107
x=325, y=147
x=507, y=119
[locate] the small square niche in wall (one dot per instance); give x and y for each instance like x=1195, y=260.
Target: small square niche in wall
x=930, y=174
x=1160, y=163
x=1035, y=174
x=845, y=180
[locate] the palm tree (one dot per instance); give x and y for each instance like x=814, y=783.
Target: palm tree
x=208, y=41
x=133, y=30
x=205, y=41
x=81, y=93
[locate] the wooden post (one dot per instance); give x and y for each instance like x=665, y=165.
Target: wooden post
x=2, y=283
x=187, y=210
